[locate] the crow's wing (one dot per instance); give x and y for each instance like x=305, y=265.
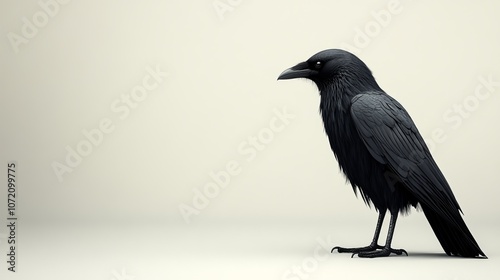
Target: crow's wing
x=393, y=139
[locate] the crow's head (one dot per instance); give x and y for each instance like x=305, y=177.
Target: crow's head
x=331, y=66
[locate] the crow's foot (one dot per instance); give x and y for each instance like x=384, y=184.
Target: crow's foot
x=385, y=252
x=369, y=248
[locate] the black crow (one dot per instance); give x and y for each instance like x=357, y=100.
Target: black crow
x=381, y=152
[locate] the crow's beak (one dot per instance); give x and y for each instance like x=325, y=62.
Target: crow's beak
x=300, y=70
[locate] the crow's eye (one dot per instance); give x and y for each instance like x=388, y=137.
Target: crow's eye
x=318, y=65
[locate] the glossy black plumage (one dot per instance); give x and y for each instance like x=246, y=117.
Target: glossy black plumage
x=381, y=152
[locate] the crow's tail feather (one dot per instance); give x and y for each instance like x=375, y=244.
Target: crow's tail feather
x=455, y=237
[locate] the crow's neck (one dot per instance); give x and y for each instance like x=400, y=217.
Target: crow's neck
x=336, y=95
x=335, y=106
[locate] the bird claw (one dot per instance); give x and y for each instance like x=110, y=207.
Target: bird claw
x=385, y=252
x=369, y=248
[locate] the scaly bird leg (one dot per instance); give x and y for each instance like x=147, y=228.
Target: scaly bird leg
x=386, y=250
x=373, y=246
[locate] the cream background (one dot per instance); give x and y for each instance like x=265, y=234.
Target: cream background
x=221, y=89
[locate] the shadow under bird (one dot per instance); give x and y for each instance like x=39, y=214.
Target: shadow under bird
x=381, y=152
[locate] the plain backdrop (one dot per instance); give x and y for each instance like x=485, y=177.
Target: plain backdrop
x=214, y=106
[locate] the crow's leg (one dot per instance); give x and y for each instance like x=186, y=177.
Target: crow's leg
x=373, y=246
x=386, y=250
